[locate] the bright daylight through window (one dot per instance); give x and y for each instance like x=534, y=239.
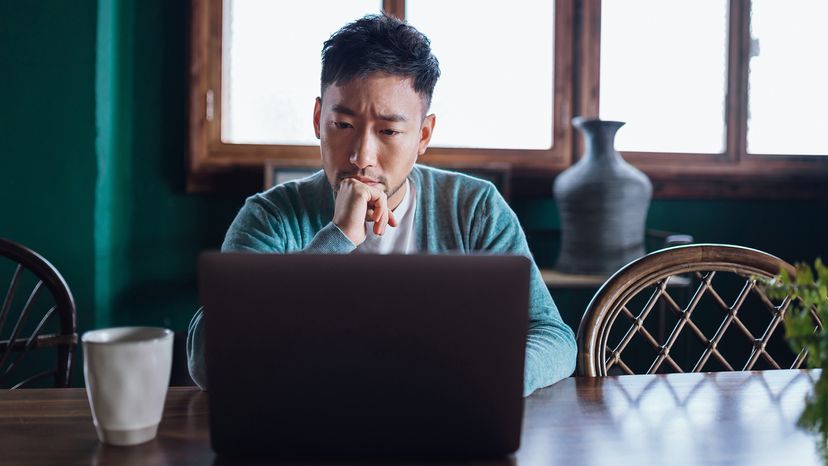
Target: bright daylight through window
x=268, y=97
x=268, y=92
x=666, y=79
x=788, y=71
x=471, y=101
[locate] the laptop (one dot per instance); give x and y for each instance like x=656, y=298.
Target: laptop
x=359, y=356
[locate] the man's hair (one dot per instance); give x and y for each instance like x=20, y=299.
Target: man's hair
x=380, y=43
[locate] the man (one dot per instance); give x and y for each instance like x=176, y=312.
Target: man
x=372, y=120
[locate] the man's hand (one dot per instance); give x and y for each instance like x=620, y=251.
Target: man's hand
x=357, y=203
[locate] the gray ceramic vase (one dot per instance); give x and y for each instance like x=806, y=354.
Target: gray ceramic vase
x=602, y=201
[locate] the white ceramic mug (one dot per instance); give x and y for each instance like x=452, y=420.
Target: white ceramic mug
x=127, y=371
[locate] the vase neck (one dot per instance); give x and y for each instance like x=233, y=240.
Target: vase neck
x=599, y=138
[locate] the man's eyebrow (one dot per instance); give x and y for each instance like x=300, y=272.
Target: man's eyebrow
x=394, y=117
x=343, y=109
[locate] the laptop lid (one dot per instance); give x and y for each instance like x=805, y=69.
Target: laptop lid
x=364, y=355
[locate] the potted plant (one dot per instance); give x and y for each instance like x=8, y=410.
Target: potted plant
x=809, y=298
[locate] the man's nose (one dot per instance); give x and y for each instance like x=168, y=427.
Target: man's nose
x=365, y=151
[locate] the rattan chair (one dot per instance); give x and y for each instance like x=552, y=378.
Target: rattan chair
x=40, y=312
x=687, y=308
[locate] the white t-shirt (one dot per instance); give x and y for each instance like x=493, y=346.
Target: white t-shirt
x=399, y=239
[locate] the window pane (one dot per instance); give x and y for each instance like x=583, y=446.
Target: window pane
x=272, y=65
x=788, y=95
x=495, y=90
x=664, y=72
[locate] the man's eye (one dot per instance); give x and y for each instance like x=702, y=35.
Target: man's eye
x=390, y=132
x=342, y=125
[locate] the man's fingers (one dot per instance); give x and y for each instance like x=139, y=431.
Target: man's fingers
x=350, y=211
x=375, y=215
x=380, y=214
x=376, y=205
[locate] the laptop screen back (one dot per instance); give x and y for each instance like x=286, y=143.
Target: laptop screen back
x=364, y=355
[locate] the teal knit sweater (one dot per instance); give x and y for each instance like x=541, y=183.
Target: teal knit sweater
x=454, y=213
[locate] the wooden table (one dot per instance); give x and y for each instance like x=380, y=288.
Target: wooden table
x=554, y=279
x=692, y=419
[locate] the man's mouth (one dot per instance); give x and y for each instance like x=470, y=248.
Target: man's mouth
x=368, y=181
x=362, y=179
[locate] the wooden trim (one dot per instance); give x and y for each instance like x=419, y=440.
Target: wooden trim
x=737, y=79
x=761, y=166
x=254, y=155
x=222, y=155
x=589, y=58
x=587, y=54
x=746, y=188
x=214, y=74
x=564, y=87
x=394, y=8
x=706, y=181
x=199, y=57
x=205, y=89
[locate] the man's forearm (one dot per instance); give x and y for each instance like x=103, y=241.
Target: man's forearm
x=330, y=240
x=550, y=355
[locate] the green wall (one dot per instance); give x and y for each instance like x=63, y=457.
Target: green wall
x=47, y=136
x=93, y=139
x=157, y=229
x=92, y=151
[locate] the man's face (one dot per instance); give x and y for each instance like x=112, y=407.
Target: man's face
x=372, y=129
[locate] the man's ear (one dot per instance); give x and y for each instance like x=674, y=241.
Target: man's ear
x=317, y=115
x=426, y=130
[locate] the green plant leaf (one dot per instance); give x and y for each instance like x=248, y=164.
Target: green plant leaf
x=809, y=298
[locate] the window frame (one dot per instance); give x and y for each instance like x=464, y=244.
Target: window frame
x=209, y=155
x=731, y=174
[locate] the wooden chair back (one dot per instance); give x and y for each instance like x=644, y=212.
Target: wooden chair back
x=687, y=308
x=36, y=313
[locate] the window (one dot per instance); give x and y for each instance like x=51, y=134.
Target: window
x=662, y=88
x=716, y=83
x=721, y=98
x=252, y=104
x=786, y=91
x=469, y=115
x=267, y=92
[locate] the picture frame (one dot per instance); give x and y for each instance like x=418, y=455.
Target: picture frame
x=276, y=173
